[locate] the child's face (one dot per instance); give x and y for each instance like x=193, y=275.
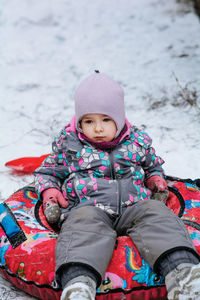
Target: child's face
x=98, y=127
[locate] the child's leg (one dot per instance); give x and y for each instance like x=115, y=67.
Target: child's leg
x=163, y=241
x=85, y=245
x=157, y=232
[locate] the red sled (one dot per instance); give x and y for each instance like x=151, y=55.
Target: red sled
x=26, y=165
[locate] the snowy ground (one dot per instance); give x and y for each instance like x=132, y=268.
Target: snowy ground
x=48, y=46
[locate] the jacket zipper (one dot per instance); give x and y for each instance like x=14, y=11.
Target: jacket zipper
x=76, y=192
x=112, y=168
x=114, y=177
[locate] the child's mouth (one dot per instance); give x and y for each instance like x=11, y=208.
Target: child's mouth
x=99, y=137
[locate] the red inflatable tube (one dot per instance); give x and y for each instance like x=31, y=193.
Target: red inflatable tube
x=28, y=261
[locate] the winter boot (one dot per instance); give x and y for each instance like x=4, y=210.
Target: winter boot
x=183, y=283
x=79, y=288
x=51, y=210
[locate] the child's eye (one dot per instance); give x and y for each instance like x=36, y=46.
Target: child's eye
x=106, y=119
x=88, y=121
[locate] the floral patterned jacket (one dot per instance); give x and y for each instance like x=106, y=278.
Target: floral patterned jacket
x=111, y=180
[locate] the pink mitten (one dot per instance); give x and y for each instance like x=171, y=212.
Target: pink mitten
x=52, y=200
x=55, y=196
x=156, y=183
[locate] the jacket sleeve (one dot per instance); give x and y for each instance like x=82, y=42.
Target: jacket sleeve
x=53, y=170
x=151, y=163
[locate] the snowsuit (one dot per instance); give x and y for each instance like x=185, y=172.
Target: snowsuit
x=107, y=197
x=110, y=180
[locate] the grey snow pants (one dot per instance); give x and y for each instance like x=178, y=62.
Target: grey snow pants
x=89, y=234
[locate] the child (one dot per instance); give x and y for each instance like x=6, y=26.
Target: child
x=102, y=174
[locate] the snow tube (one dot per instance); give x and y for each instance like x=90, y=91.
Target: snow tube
x=27, y=248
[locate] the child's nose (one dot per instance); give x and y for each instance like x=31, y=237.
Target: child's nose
x=99, y=126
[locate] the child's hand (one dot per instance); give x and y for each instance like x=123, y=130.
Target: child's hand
x=54, y=195
x=156, y=184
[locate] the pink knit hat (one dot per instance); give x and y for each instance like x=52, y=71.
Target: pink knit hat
x=99, y=94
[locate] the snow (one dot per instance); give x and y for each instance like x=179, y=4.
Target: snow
x=48, y=46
